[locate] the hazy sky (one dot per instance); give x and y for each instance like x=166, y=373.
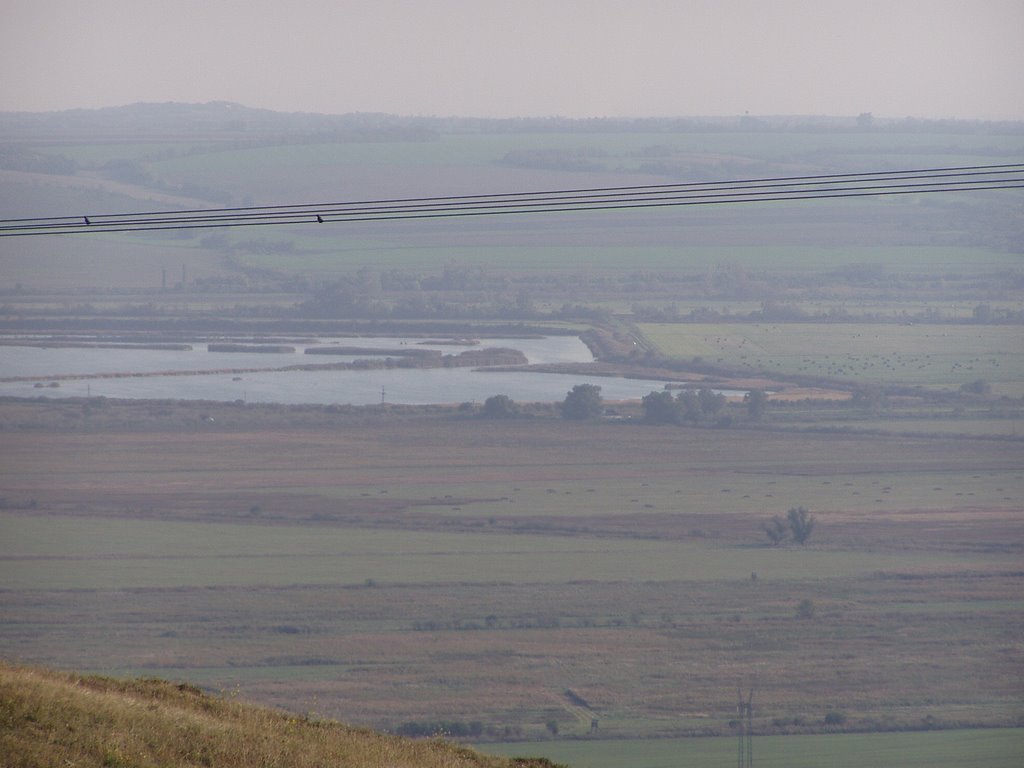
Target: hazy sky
x=491, y=58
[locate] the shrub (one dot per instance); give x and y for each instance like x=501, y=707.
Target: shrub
x=499, y=407
x=777, y=530
x=835, y=718
x=977, y=387
x=805, y=610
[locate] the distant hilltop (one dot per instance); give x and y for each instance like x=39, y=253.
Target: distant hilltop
x=224, y=119
x=146, y=119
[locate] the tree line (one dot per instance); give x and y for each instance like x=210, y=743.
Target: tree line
x=584, y=402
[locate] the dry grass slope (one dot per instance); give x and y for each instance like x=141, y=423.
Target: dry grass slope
x=51, y=718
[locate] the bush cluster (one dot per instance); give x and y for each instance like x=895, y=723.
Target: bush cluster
x=796, y=526
x=453, y=728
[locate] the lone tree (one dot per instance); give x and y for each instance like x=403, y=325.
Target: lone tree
x=499, y=407
x=583, y=402
x=800, y=524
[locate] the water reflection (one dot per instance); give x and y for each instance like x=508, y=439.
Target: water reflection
x=363, y=387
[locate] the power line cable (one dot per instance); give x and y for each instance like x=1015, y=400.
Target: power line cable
x=785, y=181
x=483, y=206
x=772, y=189
x=509, y=198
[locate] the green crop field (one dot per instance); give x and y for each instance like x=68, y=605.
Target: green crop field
x=341, y=253
x=611, y=152
x=813, y=236
x=119, y=554
x=933, y=355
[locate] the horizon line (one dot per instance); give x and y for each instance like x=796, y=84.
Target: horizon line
x=562, y=117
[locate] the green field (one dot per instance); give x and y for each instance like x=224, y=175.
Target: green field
x=610, y=152
x=948, y=239
x=339, y=253
x=932, y=355
x=955, y=749
x=120, y=554
x=1011, y=425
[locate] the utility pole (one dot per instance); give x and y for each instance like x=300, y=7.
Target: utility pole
x=745, y=720
x=750, y=729
x=741, y=758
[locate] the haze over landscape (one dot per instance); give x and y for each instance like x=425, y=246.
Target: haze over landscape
x=553, y=442
x=573, y=58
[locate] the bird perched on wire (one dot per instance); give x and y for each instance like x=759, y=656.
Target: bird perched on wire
x=319, y=219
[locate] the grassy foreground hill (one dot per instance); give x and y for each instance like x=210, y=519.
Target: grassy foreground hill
x=50, y=718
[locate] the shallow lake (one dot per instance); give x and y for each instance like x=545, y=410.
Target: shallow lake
x=356, y=387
